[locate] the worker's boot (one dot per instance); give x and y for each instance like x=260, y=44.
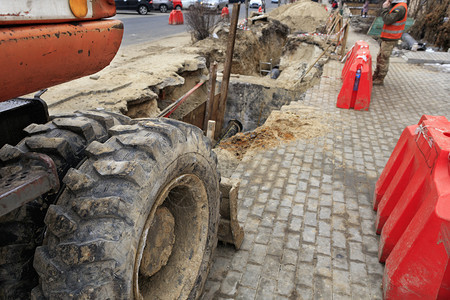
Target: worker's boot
x=377, y=81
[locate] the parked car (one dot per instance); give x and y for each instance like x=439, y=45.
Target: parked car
x=188, y=4
x=214, y=4
x=255, y=3
x=274, y=1
x=235, y=1
x=165, y=5
x=141, y=6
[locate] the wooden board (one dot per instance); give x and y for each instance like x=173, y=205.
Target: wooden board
x=196, y=116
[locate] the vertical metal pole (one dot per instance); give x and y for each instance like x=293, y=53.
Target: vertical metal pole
x=227, y=67
x=211, y=93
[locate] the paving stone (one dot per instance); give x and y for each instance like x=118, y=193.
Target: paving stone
x=251, y=276
x=341, y=282
x=263, y=236
x=266, y=288
x=323, y=288
x=279, y=229
x=323, y=245
x=338, y=223
x=239, y=261
x=268, y=219
x=306, y=253
x=298, y=210
x=258, y=254
x=309, y=234
x=303, y=292
x=245, y=293
x=271, y=266
x=339, y=239
x=324, y=229
x=340, y=258
x=304, y=276
x=283, y=213
x=370, y=244
x=229, y=284
x=293, y=240
x=323, y=266
x=285, y=280
x=290, y=257
x=211, y=288
x=275, y=246
x=325, y=213
x=356, y=253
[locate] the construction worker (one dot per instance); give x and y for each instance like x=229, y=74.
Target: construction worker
x=225, y=12
x=394, y=15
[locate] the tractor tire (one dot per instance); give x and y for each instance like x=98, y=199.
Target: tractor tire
x=64, y=139
x=137, y=220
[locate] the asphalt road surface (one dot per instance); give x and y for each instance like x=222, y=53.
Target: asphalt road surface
x=155, y=25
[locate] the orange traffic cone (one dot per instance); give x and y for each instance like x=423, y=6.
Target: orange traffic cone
x=171, y=17
x=260, y=9
x=179, y=20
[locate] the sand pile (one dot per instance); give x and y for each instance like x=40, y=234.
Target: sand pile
x=293, y=122
x=301, y=16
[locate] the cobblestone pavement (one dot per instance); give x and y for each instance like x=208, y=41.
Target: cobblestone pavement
x=306, y=206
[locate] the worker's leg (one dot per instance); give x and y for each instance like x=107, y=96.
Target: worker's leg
x=383, y=61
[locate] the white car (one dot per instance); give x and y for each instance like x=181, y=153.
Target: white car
x=188, y=4
x=255, y=3
x=214, y=4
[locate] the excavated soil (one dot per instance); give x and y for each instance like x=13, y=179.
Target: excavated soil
x=301, y=16
x=296, y=122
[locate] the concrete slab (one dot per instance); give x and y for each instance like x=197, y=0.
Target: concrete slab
x=423, y=57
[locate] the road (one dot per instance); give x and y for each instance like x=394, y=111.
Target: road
x=155, y=25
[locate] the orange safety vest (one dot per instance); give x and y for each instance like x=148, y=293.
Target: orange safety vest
x=395, y=31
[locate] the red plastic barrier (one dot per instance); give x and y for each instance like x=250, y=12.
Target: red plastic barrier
x=352, y=55
x=412, y=199
x=357, y=86
x=176, y=17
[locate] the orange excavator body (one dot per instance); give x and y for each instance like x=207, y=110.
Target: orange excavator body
x=40, y=48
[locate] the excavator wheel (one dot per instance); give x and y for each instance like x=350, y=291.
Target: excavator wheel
x=137, y=220
x=64, y=139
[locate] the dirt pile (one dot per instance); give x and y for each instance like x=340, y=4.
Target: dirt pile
x=293, y=122
x=263, y=42
x=361, y=24
x=301, y=16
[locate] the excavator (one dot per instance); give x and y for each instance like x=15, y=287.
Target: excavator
x=93, y=204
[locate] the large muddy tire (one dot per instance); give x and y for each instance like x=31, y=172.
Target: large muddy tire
x=64, y=140
x=139, y=218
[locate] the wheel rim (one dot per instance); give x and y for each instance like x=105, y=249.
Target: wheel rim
x=186, y=199
x=163, y=8
x=143, y=10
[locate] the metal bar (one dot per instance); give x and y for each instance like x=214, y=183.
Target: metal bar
x=172, y=107
x=21, y=188
x=227, y=67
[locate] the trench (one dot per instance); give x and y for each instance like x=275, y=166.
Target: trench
x=252, y=94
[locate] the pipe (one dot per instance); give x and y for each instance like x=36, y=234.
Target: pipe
x=172, y=107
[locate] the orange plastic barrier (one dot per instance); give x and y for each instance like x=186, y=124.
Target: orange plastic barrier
x=176, y=17
x=357, y=80
x=412, y=199
x=351, y=55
